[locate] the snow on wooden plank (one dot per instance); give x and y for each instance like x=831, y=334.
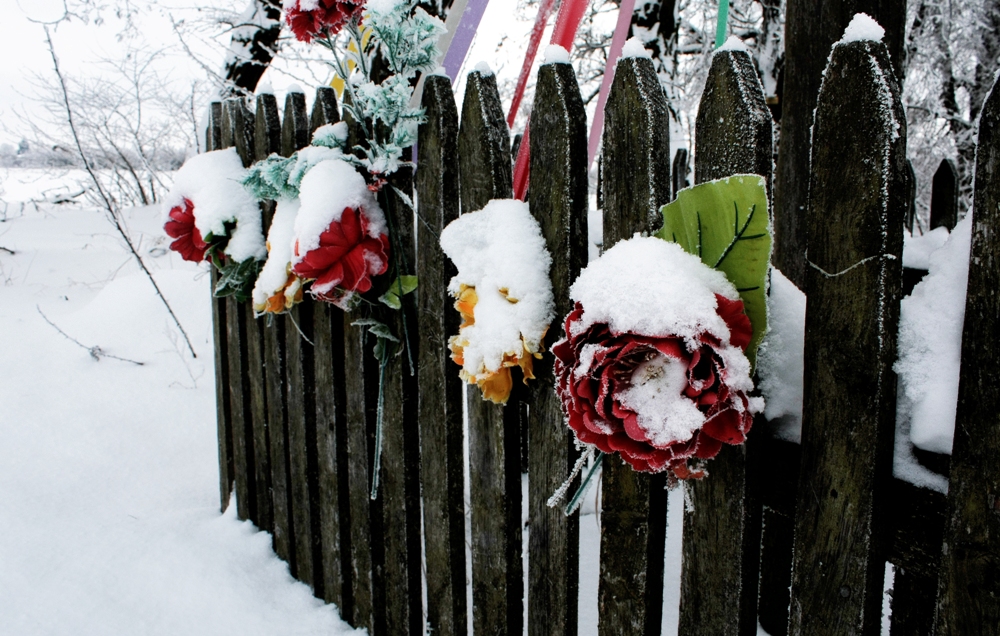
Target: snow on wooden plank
x=494, y=431
x=722, y=529
x=440, y=398
x=636, y=182
x=853, y=281
x=969, y=592
x=559, y=203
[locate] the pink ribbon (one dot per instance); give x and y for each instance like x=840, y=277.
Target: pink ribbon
x=544, y=11
x=567, y=24
x=617, y=43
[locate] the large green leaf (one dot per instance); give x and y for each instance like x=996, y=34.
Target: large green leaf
x=726, y=223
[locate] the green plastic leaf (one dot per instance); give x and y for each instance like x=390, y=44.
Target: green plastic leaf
x=726, y=223
x=405, y=283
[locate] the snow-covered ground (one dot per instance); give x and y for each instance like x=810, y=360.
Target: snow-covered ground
x=108, y=470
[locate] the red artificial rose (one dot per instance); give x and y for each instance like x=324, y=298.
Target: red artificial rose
x=181, y=227
x=328, y=16
x=594, y=366
x=346, y=259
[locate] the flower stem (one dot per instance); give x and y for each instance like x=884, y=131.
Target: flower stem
x=577, y=499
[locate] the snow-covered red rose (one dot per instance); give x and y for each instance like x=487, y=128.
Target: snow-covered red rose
x=209, y=214
x=340, y=237
x=653, y=364
x=180, y=226
x=309, y=19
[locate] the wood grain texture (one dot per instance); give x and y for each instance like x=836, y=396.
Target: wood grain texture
x=267, y=139
x=361, y=393
x=275, y=374
x=636, y=182
x=810, y=30
x=440, y=396
x=721, y=561
x=238, y=129
x=494, y=431
x=856, y=210
x=331, y=423
x=969, y=592
x=679, y=172
x=303, y=452
x=223, y=418
x=295, y=124
x=559, y=204
x=234, y=126
x=944, y=196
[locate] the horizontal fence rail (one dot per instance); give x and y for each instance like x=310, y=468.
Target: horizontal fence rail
x=297, y=394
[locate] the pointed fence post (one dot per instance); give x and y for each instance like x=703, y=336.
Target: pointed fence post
x=440, y=400
x=236, y=128
x=223, y=415
x=303, y=455
x=969, y=590
x=267, y=139
x=559, y=204
x=331, y=424
x=944, y=196
x=361, y=388
x=855, y=216
x=722, y=528
x=494, y=430
x=636, y=183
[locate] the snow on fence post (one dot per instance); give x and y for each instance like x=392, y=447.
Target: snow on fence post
x=396, y=550
x=722, y=528
x=809, y=34
x=331, y=426
x=275, y=375
x=224, y=424
x=853, y=280
x=969, y=592
x=234, y=133
x=440, y=396
x=944, y=196
x=494, y=431
x=267, y=139
x=301, y=397
x=559, y=203
x=636, y=182
x=361, y=392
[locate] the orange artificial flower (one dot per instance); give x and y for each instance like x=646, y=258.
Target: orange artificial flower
x=495, y=385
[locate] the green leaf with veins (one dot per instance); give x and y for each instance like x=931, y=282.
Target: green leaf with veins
x=727, y=224
x=399, y=287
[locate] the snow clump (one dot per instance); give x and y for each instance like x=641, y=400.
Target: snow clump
x=633, y=48
x=500, y=252
x=862, y=27
x=273, y=276
x=213, y=182
x=780, y=357
x=555, y=54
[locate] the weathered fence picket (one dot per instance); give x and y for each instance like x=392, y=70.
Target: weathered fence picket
x=559, y=162
x=298, y=393
x=969, y=592
x=235, y=130
x=494, y=431
x=722, y=528
x=440, y=394
x=944, y=196
x=634, y=505
x=856, y=210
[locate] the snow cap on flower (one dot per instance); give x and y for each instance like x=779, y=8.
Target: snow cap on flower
x=212, y=183
x=277, y=288
x=652, y=364
x=340, y=235
x=504, y=292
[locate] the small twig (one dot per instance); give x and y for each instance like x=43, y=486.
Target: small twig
x=105, y=198
x=8, y=250
x=95, y=352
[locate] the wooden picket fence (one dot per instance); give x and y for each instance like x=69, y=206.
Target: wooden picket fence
x=296, y=402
